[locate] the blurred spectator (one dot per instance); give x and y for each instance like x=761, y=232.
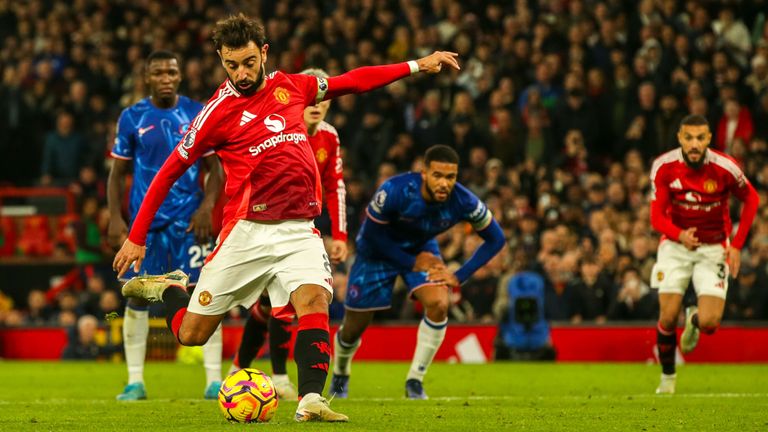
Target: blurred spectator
x=667, y=123
x=479, y=292
x=38, y=311
x=64, y=152
x=91, y=297
x=744, y=295
x=596, y=292
x=82, y=341
x=736, y=122
x=88, y=234
x=6, y=306
x=634, y=299
x=562, y=301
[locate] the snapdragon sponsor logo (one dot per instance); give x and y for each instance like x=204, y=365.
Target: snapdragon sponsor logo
x=276, y=123
x=275, y=140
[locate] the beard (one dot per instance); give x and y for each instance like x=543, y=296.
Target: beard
x=695, y=165
x=432, y=196
x=256, y=84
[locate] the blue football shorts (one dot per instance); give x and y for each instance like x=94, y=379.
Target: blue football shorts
x=371, y=282
x=171, y=248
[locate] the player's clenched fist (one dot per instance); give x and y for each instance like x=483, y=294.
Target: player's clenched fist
x=434, y=62
x=688, y=238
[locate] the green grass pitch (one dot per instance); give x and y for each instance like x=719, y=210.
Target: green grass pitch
x=52, y=396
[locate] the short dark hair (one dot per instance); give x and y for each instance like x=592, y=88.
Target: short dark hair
x=160, y=55
x=441, y=153
x=236, y=31
x=694, y=120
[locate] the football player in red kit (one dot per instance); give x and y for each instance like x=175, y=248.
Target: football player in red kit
x=255, y=124
x=327, y=150
x=692, y=186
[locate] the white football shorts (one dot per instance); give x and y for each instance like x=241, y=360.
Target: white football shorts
x=278, y=257
x=676, y=266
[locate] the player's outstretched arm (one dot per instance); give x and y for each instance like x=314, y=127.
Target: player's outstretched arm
x=133, y=248
x=367, y=78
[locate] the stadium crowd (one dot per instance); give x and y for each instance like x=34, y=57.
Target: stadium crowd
x=557, y=112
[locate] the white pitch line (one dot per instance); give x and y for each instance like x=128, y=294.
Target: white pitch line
x=439, y=398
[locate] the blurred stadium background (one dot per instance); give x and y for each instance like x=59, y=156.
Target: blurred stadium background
x=557, y=111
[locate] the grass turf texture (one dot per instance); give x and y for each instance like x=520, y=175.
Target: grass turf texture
x=43, y=396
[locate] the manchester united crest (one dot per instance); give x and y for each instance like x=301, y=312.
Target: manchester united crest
x=660, y=276
x=710, y=186
x=205, y=298
x=282, y=95
x=321, y=155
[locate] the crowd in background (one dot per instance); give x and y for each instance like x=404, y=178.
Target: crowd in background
x=557, y=112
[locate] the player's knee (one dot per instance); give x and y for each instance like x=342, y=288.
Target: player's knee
x=192, y=336
x=708, y=325
x=438, y=306
x=667, y=323
x=311, y=301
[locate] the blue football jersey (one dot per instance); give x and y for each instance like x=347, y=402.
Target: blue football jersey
x=412, y=222
x=147, y=135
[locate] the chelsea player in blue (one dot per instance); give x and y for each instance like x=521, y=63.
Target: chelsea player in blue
x=398, y=238
x=180, y=237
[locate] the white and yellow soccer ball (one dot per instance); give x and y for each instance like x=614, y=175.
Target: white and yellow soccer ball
x=248, y=396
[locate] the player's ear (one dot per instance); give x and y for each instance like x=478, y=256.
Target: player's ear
x=264, y=50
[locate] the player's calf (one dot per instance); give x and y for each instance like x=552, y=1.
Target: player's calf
x=195, y=329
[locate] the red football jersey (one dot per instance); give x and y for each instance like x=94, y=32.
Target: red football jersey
x=327, y=149
x=684, y=197
x=262, y=142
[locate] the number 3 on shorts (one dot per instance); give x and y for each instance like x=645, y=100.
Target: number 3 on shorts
x=327, y=263
x=721, y=271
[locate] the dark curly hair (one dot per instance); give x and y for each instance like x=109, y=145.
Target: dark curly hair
x=441, y=153
x=236, y=31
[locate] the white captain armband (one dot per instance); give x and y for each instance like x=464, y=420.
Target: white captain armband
x=322, y=89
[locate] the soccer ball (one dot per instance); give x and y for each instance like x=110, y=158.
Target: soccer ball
x=248, y=396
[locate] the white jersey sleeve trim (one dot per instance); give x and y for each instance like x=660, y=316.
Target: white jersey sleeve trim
x=728, y=165
x=670, y=156
x=210, y=107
